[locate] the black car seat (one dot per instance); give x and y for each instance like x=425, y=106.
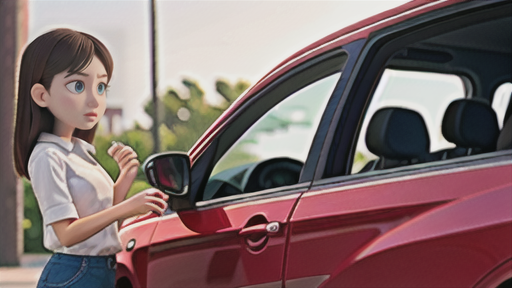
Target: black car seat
x=398, y=136
x=472, y=126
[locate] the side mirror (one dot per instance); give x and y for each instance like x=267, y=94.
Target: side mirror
x=168, y=172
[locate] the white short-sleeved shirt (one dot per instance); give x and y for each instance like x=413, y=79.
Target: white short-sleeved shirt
x=69, y=183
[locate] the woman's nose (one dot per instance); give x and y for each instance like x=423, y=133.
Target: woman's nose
x=92, y=101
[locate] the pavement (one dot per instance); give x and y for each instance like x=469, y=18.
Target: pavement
x=27, y=274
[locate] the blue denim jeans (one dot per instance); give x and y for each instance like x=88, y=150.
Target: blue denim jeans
x=64, y=270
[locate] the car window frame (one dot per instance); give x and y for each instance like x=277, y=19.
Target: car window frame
x=205, y=163
x=374, y=58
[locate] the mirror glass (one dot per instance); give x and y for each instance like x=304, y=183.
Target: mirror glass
x=170, y=173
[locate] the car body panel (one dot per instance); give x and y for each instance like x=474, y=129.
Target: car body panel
x=497, y=276
x=333, y=229
x=221, y=258
x=132, y=263
x=446, y=246
x=399, y=191
x=455, y=260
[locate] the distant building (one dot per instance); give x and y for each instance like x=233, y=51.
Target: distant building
x=111, y=123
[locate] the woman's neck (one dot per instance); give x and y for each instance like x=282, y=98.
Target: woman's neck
x=63, y=131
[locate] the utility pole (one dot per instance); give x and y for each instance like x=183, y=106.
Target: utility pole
x=11, y=199
x=154, y=78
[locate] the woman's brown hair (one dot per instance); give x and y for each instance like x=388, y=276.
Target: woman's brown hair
x=49, y=54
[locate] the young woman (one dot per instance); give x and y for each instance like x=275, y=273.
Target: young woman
x=61, y=97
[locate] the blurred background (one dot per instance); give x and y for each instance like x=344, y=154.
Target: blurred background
x=206, y=54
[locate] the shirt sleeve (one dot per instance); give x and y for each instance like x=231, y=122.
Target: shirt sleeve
x=48, y=176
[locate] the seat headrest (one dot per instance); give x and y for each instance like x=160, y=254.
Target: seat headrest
x=471, y=124
x=397, y=133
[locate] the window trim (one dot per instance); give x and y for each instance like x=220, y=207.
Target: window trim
x=253, y=196
x=466, y=163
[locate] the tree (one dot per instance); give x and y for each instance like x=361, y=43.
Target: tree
x=185, y=117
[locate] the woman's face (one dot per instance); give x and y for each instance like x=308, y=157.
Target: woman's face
x=78, y=100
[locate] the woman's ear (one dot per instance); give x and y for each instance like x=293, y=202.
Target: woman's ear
x=39, y=95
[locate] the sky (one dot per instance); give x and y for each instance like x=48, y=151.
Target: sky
x=201, y=40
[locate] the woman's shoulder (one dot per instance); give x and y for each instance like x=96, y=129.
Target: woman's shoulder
x=49, y=148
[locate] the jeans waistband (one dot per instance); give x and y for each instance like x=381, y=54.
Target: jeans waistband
x=103, y=260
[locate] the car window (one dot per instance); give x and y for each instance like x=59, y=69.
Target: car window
x=272, y=151
x=501, y=100
x=429, y=94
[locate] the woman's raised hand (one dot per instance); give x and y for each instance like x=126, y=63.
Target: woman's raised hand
x=126, y=159
x=128, y=164
x=146, y=201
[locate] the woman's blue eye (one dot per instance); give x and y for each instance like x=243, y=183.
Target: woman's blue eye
x=101, y=88
x=76, y=87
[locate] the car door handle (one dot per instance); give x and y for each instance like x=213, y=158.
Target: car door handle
x=268, y=228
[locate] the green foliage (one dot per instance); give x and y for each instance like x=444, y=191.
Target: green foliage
x=229, y=92
x=184, y=118
x=359, y=161
x=32, y=222
x=360, y=158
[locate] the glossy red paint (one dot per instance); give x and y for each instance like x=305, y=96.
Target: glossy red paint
x=205, y=222
x=224, y=258
x=378, y=218
x=433, y=263
x=131, y=264
x=497, y=276
x=382, y=215
x=396, y=192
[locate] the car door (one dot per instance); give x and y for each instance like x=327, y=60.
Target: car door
x=247, y=184
x=423, y=221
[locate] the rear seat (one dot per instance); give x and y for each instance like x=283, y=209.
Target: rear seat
x=398, y=136
x=472, y=126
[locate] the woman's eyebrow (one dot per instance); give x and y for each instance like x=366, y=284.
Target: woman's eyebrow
x=86, y=75
x=77, y=73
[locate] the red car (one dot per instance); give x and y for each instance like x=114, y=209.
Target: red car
x=379, y=156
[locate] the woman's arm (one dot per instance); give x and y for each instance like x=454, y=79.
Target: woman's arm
x=72, y=231
x=128, y=163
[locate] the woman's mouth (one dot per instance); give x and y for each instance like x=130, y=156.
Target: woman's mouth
x=91, y=114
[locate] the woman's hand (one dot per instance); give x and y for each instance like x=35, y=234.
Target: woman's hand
x=149, y=200
x=126, y=159
x=128, y=163
x=72, y=231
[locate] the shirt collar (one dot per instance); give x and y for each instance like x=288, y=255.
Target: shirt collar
x=84, y=144
x=51, y=138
